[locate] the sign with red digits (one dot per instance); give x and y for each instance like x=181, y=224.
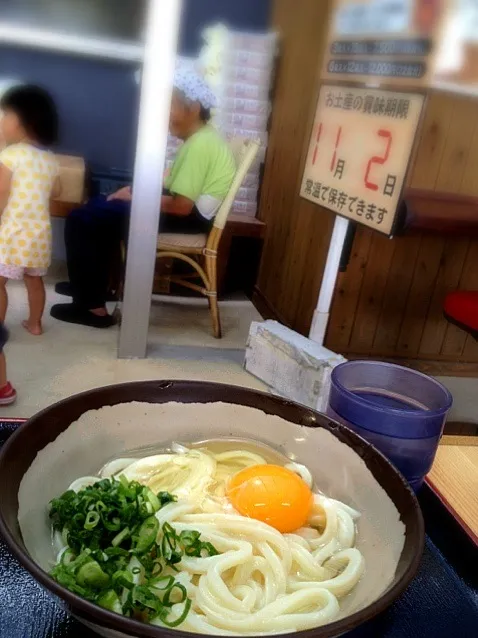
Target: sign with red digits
x=359, y=153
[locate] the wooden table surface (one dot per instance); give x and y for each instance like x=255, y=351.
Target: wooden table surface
x=454, y=477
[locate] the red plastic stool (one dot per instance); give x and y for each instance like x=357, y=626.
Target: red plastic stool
x=461, y=309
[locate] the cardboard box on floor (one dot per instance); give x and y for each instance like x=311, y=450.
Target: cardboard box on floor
x=72, y=179
x=291, y=365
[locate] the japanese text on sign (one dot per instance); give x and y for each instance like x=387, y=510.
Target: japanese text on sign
x=416, y=47
x=359, y=153
x=347, y=204
x=384, y=68
x=368, y=103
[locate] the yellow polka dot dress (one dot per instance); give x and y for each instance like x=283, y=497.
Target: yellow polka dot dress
x=25, y=226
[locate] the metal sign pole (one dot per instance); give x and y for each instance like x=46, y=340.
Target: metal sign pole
x=321, y=314
x=156, y=86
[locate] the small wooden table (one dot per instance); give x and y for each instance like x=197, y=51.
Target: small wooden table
x=61, y=209
x=454, y=479
x=237, y=226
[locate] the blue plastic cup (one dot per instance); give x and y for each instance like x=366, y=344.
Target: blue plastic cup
x=400, y=411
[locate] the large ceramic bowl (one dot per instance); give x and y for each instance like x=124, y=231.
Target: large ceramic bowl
x=77, y=436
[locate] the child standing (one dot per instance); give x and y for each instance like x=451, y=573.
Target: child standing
x=28, y=179
x=8, y=394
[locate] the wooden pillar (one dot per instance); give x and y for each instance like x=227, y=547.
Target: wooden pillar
x=298, y=232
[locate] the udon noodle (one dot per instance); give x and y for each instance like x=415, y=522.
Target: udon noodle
x=262, y=581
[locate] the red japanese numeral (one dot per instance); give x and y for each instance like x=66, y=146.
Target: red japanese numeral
x=378, y=160
x=337, y=142
x=317, y=140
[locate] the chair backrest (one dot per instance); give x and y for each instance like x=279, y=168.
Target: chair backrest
x=245, y=152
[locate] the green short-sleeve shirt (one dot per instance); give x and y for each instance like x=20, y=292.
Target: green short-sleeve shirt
x=203, y=170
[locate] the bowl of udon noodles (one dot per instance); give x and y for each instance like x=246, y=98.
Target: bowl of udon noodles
x=165, y=508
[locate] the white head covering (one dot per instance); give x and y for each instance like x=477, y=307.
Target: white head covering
x=194, y=87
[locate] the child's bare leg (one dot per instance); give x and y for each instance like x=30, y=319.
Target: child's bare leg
x=36, y=303
x=3, y=370
x=3, y=299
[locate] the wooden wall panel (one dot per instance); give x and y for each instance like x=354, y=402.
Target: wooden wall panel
x=434, y=133
x=457, y=149
x=451, y=267
x=421, y=270
x=372, y=293
x=419, y=297
x=298, y=232
x=348, y=289
x=395, y=301
x=388, y=303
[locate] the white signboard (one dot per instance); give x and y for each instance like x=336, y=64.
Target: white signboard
x=374, y=16
x=387, y=42
x=359, y=153
x=404, y=44
x=469, y=19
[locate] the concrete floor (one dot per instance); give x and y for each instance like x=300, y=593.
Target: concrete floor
x=68, y=359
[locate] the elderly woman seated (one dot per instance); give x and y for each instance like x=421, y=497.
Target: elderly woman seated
x=199, y=181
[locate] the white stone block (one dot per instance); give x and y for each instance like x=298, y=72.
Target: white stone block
x=291, y=365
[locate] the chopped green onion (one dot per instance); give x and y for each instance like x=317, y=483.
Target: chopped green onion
x=166, y=581
x=123, y=579
x=169, y=546
x=119, y=538
x=153, y=499
x=64, y=535
x=110, y=600
x=167, y=597
x=67, y=557
x=165, y=498
x=208, y=549
x=92, y=520
x=147, y=535
x=143, y=595
x=178, y=621
x=117, y=551
x=91, y=575
x=157, y=568
x=124, y=481
x=112, y=552
x=193, y=546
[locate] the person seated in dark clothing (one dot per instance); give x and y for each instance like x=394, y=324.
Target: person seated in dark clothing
x=200, y=179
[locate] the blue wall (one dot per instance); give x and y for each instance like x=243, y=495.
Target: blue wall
x=97, y=100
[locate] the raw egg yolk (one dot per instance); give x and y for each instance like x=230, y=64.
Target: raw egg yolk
x=271, y=494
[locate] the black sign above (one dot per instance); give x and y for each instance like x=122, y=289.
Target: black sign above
x=417, y=47
x=398, y=69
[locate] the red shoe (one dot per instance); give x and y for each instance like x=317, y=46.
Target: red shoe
x=8, y=394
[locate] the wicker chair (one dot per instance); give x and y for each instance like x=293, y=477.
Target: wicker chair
x=200, y=251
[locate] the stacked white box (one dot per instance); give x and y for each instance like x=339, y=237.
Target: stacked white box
x=240, y=67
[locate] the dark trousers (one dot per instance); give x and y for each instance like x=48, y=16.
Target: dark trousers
x=92, y=236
